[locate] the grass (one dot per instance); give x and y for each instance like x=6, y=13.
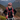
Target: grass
x=3, y=18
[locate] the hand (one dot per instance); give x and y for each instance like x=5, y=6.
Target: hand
x=7, y=15
x=13, y=14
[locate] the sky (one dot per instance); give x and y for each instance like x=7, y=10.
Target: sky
x=5, y=2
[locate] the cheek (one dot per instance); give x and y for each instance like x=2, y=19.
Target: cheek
x=10, y=6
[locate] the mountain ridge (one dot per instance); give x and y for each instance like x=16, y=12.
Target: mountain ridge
x=16, y=4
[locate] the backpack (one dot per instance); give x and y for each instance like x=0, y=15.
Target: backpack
x=9, y=11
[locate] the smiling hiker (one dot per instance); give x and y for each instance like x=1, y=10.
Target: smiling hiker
x=9, y=12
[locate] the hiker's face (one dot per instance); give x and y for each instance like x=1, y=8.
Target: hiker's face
x=9, y=6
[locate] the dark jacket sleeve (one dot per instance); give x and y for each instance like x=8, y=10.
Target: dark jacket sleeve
x=15, y=11
x=5, y=11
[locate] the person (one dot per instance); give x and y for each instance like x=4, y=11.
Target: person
x=9, y=12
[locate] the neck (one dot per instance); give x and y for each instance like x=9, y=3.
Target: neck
x=10, y=8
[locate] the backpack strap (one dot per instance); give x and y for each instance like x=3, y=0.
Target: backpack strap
x=12, y=10
x=7, y=9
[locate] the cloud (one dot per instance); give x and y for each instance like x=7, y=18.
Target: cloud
x=4, y=0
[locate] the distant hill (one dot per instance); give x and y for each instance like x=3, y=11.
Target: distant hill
x=17, y=1
x=16, y=4
x=18, y=11
x=3, y=7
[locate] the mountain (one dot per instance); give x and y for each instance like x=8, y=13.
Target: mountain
x=6, y=2
x=16, y=4
x=17, y=1
x=3, y=7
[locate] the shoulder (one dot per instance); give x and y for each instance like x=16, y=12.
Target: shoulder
x=7, y=8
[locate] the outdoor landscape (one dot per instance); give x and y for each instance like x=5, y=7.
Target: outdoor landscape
x=15, y=5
